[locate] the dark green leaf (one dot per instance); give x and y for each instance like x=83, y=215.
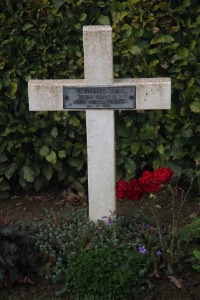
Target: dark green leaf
x=28, y=174
x=51, y=157
x=47, y=170
x=195, y=106
x=103, y=20
x=44, y=151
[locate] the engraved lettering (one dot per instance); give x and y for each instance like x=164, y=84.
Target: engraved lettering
x=100, y=97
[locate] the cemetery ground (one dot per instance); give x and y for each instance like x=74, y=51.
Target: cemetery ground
x=184, y=282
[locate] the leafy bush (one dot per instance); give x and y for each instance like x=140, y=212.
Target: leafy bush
x=60, y=236
x=43, y=39
x=195, y=260
x=108, y=272
x=67, y=239
x=17, y=257
x=190, y=231
x=66, y=248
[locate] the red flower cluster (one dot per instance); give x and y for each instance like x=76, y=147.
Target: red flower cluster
x=149, y=182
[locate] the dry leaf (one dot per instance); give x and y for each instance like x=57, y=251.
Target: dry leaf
x=81, y=196
x=193, y=215
x=155, y=273
x=164, y=66
x=25, y=279
x=72, y=197
x=88, y=246
x=155, y=30
x=64, y=193
x=149, y=284
x=83, y=199
x=36, y=198
x=61, y=202
x=178, y=282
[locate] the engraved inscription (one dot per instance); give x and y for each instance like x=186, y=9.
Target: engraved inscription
x=100, y=97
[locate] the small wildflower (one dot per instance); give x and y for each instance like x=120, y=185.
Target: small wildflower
x=159, y=253
x=110, y=222
x=104, y=217
x=142, y=250
x=148, y=227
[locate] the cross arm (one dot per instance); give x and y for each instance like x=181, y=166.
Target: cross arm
x=47, y=95
x=151, y=93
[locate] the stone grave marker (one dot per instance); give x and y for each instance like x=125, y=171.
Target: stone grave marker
x=99, y=95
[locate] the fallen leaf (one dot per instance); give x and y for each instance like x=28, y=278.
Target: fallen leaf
x=72, y=197
x=61, y=202
x=155, y=273
x=64, y=193
x=164, y=66
x=88, y=246
x=149, y=284
x=155, y=30
x=25, y=279
x=193, y=215
x=178, y=282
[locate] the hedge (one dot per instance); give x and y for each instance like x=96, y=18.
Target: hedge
x=43, y=39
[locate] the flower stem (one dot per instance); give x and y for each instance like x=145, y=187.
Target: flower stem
x=157, y=225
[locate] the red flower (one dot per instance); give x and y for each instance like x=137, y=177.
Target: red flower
x=148, y=182
x=121, y=189
x=134, y=190
x=163, y=175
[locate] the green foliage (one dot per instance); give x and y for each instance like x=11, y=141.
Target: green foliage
x=190, y=231
x=107, y=272
x=84, y=259
x=196, y=260
x=60, y=237
x=43, y=39
x=17, y=258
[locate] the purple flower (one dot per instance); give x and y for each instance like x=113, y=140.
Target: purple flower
x=159, y=253
x=110, y=222
x=148, y=227
x=142, y=250
x=104, y=217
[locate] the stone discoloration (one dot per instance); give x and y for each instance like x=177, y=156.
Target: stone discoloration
x=47, y=95
x=151, y=93
x=98, y=53
x=98, y=66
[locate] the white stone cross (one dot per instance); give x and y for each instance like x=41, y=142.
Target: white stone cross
x=48, y=95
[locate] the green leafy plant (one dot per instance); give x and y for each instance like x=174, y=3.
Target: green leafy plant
x=112, y=272
x=195, y=260
x=58, y=236
x=17, y=257
x=190, y=234
x=149, y=183
x=191, y=231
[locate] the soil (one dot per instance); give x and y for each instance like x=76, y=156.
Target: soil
x=28, y=207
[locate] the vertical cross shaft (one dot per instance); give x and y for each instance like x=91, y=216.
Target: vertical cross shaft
x=98, y=66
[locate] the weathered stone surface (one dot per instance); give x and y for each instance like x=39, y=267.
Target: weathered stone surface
x=98, y=66
x=151, y=93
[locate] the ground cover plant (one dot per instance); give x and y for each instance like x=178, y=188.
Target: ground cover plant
x=151, y=39
x=122, y=254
